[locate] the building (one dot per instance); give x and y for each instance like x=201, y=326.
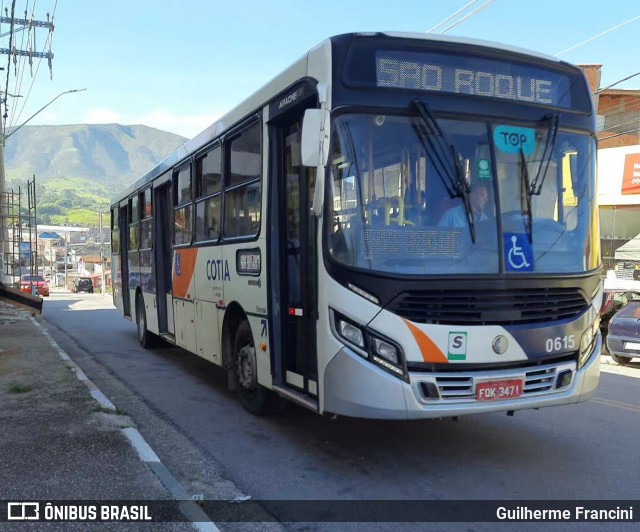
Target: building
x=618, y=172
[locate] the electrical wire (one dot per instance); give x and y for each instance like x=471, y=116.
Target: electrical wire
x=621, y=108
x=468, y=15
x=452, y=16
x=620, y=134
x=617, y=82
x=626, y=123
x=20, y=67
x=25, y=99
x=599, y=35
x=47, y=43
x=6, y=88
x=616, y=111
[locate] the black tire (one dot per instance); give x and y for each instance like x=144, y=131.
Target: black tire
x=623, y=361
x=254, y=397
x=144, y=336
x=605, y=348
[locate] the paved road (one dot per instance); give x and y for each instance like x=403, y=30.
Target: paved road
x=585, y=451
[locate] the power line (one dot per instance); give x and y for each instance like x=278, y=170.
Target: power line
x=452, y=16
x=599, y=35
x=620, y=134
x=621, y=109
x=33, y=79
x=623, y=124
x=617, y=82
x=19, y=65
x=30, y=24
x=616, y=111
x=632, y=107
x=6, y=89
x=468, y=15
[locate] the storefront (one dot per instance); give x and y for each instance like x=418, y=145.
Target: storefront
x=619, y=199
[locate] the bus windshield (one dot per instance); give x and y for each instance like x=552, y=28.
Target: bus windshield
x=415, y=196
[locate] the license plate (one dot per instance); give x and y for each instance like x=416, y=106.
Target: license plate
x=632, y=345
x=498, y=390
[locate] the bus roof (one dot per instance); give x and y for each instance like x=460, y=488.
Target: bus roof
x=471, y=42
x=291, y=74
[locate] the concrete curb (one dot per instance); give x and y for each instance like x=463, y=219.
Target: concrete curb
x=190, y=509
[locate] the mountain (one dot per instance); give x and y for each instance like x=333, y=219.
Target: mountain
x=110, y=154
x=79, y=168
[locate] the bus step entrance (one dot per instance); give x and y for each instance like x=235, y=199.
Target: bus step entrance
x=297, y=397
x=168, y=337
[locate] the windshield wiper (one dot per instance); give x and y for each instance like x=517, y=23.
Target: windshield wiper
x=444, y=157
x=552, y=133
x=525, y=194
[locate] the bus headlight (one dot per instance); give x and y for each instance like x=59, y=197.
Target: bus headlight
x=588, y=341
x=372, y=346
x=385, y=350
x=386, y=354
x=350, y=332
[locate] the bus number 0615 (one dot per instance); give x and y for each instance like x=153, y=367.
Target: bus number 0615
x=561, y=342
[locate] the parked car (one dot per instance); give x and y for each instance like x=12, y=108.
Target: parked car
x=82, y=284
x=30, y=282
x=623, y=340
x=614, y=300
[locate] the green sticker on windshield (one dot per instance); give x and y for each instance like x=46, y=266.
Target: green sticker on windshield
x=512, y=139
x=484, y=169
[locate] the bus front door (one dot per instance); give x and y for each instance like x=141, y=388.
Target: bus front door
x=162, y=258
x=297, y=244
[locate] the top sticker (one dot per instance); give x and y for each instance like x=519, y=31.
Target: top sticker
x=510, y=139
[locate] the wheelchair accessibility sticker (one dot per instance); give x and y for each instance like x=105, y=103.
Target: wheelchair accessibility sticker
x=518, y=253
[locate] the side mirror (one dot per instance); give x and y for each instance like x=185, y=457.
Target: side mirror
x=314, y=144
x=617, y=305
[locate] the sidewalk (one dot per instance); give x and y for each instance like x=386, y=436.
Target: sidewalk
x=57, y=442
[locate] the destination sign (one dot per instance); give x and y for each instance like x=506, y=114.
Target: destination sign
x=473, y=76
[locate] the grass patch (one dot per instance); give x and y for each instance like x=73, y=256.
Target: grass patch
x=16, y=387
x=104, y=410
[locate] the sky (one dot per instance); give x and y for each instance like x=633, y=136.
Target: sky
x=179, y=65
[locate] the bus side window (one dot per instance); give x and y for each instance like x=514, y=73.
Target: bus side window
x=209, y=195
x=183, y=212
x=243, y=180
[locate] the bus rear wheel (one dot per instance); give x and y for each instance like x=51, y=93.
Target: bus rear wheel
x=254, y=397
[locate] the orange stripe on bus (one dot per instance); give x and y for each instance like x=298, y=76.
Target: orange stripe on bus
x=184, y=264
x=430, y=351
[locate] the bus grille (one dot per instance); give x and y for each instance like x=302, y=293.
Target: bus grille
x=489, y=307
x=461, y=387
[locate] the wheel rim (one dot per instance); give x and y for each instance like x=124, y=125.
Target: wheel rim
x=246, y=367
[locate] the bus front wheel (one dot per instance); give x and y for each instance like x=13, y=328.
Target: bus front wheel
x=144, y=336
x=254, y=397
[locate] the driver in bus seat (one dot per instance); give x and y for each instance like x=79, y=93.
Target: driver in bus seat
x=457, y=216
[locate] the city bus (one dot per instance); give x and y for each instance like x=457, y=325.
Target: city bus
x=397, y=226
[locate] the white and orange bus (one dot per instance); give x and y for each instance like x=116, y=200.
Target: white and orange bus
x=397, y=226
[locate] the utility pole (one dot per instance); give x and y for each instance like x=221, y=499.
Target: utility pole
x=101, y=257
x=66, y=257
x=15, y=25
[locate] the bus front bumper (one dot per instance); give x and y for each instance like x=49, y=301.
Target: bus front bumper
x=355, y=387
